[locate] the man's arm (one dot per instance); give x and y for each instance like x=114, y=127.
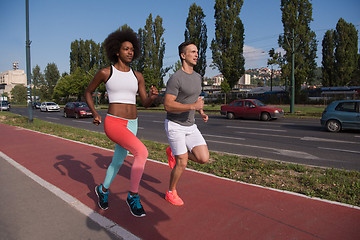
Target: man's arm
x=172, y=106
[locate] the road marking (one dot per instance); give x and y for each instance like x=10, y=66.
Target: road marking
x=340, y=150
x=265, y=134
x=80, y=121
x=209, y=135
x=284, y=152
x=52, y=118
x=158, y=121
x=259, y=129
x=326, y=140
x=301, y=138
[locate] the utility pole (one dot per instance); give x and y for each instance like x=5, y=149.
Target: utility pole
x=292, y=73
x=28, y=67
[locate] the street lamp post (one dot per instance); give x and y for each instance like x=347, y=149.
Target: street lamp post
x=292, y=73
x=28, y=66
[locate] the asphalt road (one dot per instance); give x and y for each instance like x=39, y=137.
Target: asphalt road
x=291, y=140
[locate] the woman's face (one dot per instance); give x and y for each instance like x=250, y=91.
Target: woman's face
x=126, y=52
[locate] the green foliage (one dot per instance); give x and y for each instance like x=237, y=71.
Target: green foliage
x=346, y=51
x=340, y=64
x=37, y=79
x=227, y=47
x=196, y=32
x=87, y=55
x=51, y=75
x=153, y=50
x=297, y=16
x=19, y=94
x=328, y=59
x=73, y=85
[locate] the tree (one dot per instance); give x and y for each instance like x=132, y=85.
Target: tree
x=37, y=79
x=86, y=55
x=225, y=88
x=73, y=85
x=153, y=49
x=177, y=66
x=52, y=75
x=19, y=94
x=227, y=47
x=274, y=60
x=328, y=59
x=296, y=16
x=346, y=51
x=196, y=32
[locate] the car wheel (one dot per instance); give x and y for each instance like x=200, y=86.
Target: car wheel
x=265, y=116
x=333, y=126
x=230, y=115
x=77, y=115
x=65, y=115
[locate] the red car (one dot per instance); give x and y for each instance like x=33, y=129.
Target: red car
x=77, y=110
x=251, y=108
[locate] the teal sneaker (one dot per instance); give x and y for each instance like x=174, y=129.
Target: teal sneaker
x=102, y=197
x=135, y=206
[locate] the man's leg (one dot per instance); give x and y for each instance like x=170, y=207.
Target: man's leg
x=181, y=162
x=199, y=154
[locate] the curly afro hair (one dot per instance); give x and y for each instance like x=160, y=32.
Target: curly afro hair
x=115, y=39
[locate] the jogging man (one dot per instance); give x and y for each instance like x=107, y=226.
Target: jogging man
x=181, y=101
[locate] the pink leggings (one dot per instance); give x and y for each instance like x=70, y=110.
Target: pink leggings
x=123, y=133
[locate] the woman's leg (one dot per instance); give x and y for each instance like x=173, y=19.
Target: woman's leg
x=122, y=132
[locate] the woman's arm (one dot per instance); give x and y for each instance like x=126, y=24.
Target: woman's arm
x=146, y=99
x=99, y=77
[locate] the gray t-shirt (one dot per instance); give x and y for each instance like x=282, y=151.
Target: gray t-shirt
x=187, y=88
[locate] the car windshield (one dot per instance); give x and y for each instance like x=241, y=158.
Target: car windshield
x=81, y=104
x=51, y=103
x=258, y=103
x=4, y=102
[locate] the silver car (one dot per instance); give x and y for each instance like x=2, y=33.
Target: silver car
x=49, y=106
x=4, y=106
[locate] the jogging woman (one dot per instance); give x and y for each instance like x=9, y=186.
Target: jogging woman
x=120, y=124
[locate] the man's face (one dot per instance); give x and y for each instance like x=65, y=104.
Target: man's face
x=191, y=54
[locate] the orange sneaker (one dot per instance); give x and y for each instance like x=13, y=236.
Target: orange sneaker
x=171, y=158
x=173, y=198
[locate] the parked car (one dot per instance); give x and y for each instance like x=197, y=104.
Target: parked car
x=340, y=115
x=36, y=105
x=251, y=108
x=4, y=105
x=49, y=106
x=77, y=110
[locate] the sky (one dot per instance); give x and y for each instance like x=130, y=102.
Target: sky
x=53, y=25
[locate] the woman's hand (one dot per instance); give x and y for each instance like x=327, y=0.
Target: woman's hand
x=153, y=93
x=97, y=119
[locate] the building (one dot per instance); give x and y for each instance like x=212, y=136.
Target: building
x=243, y=81
x=11, y=78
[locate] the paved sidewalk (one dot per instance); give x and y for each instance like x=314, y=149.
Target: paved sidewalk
x=214, y=208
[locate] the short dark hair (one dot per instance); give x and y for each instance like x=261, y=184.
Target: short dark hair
x=183, y=46
x=113, y=43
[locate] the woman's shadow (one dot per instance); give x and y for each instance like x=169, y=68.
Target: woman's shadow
x=76, y=170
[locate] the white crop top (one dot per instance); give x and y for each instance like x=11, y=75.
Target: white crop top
x=122, y=86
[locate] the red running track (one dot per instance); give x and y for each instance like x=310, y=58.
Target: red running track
x=214, y=208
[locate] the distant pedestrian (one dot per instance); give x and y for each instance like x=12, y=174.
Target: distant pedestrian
x=181, y=101
x=121, y=123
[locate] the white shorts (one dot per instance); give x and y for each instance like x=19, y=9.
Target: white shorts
x=181, y=138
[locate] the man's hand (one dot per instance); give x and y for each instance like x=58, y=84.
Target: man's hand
x=204, y=117
x=199, y=104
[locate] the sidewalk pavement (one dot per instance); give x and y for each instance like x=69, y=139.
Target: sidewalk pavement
x=214, y=208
